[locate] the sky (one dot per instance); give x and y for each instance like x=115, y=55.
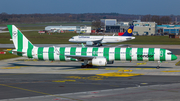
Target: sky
x=137, y=7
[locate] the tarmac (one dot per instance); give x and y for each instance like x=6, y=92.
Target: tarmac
x=23, y=79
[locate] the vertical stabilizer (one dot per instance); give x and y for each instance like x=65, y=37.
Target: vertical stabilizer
x=129, y=31
x=19, y=40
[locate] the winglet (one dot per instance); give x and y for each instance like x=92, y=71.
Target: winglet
x=82, y=45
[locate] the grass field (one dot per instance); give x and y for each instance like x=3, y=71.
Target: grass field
x=7, y=55
x=51, y=24
x=62, y=38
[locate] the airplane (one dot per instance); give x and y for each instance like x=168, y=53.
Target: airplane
x=91, y=56
x=99, y=40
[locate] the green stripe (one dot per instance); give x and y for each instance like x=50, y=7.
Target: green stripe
x=10, y=29
x=73, y=52
x=95, y=51
x=151, y=54
x=162, y=54
x=20, y=43
x=40, y=53
x=51, y=53
x=139, y=54
x=30, y=45
x=20, y=40
x=29, y=50
x=117, y=54
x=84, y=51
x=29, y=53
x=106, y=53
x=61, y=56
x=128, y=54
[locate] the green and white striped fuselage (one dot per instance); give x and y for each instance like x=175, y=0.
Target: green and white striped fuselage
x=111, y=54
x=98, y=55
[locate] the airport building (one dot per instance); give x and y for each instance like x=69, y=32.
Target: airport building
x=77, y=29
x=144, y=28
x=112, y=26
x=140, y=28
x=168, y=29
x=106, y=22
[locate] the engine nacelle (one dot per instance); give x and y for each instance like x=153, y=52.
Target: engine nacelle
x=89, y=43
x=99, y=61
x=110, y=62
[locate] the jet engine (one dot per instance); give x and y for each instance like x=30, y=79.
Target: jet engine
x=99, y=61
x=89, y=43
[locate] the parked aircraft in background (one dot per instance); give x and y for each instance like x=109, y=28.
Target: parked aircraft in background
x=99, y=40
x=96, y=56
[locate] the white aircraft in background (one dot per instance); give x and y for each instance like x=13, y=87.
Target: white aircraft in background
x=99, y=40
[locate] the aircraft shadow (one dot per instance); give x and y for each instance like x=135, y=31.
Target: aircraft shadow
x=79, y=67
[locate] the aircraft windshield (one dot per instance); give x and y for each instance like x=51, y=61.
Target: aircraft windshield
x=169, y=53
x=72, y=38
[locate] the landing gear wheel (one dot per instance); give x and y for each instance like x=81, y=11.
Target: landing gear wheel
x=86, y=66
x=83, y=66
x=157, y=67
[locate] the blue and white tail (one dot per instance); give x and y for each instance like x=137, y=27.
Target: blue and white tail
x=129, y=31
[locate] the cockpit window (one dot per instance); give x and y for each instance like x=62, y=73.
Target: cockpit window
x=169, y=53
x=72, y=38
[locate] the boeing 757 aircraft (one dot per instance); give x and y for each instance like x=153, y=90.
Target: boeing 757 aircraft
x=99, y=40
x=96, y=56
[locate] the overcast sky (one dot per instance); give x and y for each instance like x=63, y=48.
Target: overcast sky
x=143, y=7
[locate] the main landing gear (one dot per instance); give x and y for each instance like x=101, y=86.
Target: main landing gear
x=86, y=65
x=159, y=64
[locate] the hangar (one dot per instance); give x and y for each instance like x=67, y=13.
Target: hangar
x=77, y=29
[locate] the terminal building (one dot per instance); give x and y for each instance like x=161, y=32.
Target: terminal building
x=144, y=28
x=168, y=29
x=77, y=29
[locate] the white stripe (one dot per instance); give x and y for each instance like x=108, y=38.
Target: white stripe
x=35, y=53
x=123, y=53
x=24, y=50
x=134, y=54
x=89, y=51
x=67, y=52
x=45, y=53
x=168, y=57
x=100, y=51
x=157, y=54
x=25, y=42
x=145, y=52
x=111, y=53
x=78, y=51
x=56, y=57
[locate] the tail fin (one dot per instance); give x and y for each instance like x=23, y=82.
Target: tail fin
x=19, y=40
x=129, y=31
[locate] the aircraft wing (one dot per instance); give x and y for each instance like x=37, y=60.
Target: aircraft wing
x=80, y=57
x=98, y=41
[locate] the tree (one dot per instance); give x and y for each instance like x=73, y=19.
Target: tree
x=96, y=24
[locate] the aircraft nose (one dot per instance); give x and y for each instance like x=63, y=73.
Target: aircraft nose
x=174, y=57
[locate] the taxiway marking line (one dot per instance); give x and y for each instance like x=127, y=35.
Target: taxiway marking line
x=37, y=92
